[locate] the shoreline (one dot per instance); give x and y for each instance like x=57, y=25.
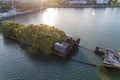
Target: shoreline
x=58, y=6
x=21, y=13
x=83, y=6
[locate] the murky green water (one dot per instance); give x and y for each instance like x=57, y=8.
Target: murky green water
x=95, y=27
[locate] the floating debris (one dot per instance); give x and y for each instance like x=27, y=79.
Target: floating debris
x=110, y=58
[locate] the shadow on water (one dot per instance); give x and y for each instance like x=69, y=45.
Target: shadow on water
x=77, y=54
x=36, y=56
x=107, y=73
x=52, y=57
x=73, y=52
x=8, y=42
x=86, y=56
x=80, y=57
x=39, y=56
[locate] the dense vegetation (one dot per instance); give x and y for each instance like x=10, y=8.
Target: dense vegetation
x=5, y=6
x=36, y=37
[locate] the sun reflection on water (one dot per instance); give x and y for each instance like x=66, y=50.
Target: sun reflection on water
x=49, y=16
x=93, y=12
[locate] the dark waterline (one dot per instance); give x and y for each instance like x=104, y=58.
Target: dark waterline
x=96, y=27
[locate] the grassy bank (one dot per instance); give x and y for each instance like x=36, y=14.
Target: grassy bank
x=36, y=37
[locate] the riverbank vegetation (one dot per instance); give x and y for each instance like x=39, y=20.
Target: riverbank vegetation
x=36, y=37
x=5, y=6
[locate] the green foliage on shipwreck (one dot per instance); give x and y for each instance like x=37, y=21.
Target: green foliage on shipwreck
x=36, y=37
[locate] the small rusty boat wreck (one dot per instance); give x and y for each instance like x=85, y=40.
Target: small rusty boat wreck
x=110, y=58
x=63, y=48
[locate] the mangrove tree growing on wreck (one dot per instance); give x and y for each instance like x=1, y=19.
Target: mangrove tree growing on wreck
x=35, y=37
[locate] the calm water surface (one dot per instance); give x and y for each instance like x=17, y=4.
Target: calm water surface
x=95, y=27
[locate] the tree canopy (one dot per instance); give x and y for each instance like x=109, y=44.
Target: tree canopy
x=36, y=37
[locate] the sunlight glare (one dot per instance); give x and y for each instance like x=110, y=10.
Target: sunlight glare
x=93, y=12
x=49, y=17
